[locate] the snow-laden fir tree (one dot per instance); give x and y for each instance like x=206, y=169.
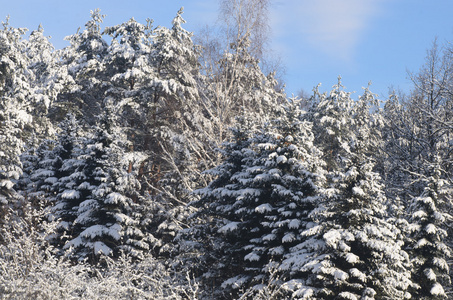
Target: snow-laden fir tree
x=110, y=217
x=43, y=75
x=130, y=73
x=259, y=203
x=228, y=81
x=11, y=124
x=47, y=78
x=175, y=60
x=427, y=247
x=83, y=89
x=14, y=92
x=332, y=124
x=55, y=177
x=353, y=252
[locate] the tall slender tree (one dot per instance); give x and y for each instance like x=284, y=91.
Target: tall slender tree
x=14, y=91
x=83, y=88
x=55, y=178
x=428, y=249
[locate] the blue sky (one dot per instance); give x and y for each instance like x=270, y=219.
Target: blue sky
x=317, y=40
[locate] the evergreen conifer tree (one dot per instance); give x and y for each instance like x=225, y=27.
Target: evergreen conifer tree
x=130, y=74
x=14, y=91
x=111, y=215
x=84, y=88
x=260, y=202
x=55, y=178
x=428, y=249
x=353, y=251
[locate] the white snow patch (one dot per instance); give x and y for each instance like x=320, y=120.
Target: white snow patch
x=422, y=243
x=358, y=191
x=263, y=208
x=419, y=214
x=281, y=159
x=429, y=273
x=288, y=238
x=439, y=216
x=251, y=192
x=441, y=263
x=352, y=258
x=232, y=226
x=343, y=246
x=235, y=282
x=437, y=290
x=277, y=250
x=51, y=180
x=252, y=257
x=332, y=237
x=24, y=117
x=100, y=230
x=348, y=295
x=70, y=194
x=357, y=274
x=84, y=185
x=261, y=177
x=42, y=173
x=300, y=290
x=101, y=248
x=431, y=229
x=269, y=237
x=294, y=224
x=114, y=198
x=340, y=275
x=7, y=183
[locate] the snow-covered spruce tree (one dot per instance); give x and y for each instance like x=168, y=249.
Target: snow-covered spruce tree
x=428, y=249
x=175, y=60
x=227, y=83
x=258, y=204
x=353, y=252
x=83, y=89
x=55, y=178
x=362, y=254
x=109, y=217
x=331, y=115
x=130, y=73
x=46, y=77
x=14, y=91
x=11, y=124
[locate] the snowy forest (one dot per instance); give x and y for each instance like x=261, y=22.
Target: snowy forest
x=144, y=162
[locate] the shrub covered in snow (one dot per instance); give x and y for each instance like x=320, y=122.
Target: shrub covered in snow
x=31, y=270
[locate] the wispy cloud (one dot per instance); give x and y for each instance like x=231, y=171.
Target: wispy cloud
x=334, y=27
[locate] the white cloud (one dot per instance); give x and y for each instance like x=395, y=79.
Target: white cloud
x=334, y=27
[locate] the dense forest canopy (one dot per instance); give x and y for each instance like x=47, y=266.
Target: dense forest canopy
x=144, y=162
